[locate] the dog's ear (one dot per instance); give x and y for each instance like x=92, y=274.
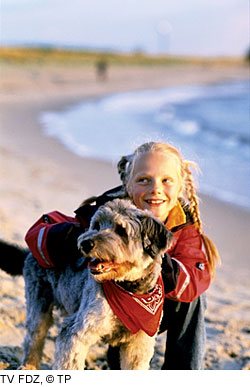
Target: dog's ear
x=155, y=236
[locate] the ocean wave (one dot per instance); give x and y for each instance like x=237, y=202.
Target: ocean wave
x=148, y=100
x=226, y=196
x=56, y=126
x=110, y=127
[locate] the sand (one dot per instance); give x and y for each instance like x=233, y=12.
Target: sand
x=38, y=175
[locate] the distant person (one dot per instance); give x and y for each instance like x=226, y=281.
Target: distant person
x=101, y=69
x=155, y=178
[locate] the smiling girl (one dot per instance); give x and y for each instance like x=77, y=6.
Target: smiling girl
x=155, y=178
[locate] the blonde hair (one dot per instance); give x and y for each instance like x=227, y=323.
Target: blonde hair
x=188, y=192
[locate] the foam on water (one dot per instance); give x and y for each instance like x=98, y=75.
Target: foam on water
x=209, y=124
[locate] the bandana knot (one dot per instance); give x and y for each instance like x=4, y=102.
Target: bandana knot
x=136, y=311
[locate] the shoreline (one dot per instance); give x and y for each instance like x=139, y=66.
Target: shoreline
x=33, y=143
x=39, y=174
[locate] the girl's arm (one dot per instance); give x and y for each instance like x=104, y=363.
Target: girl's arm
x=190, y=274
x=53, y=240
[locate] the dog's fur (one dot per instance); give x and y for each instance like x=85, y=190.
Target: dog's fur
x=127, y=245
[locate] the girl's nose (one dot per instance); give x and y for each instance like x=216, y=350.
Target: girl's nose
x=156, y=187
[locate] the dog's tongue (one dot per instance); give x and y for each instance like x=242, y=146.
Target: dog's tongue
x=97, y=266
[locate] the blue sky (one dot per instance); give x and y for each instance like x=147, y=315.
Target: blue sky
x=189, y=27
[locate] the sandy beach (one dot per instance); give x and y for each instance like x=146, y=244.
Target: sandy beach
x=38, y=174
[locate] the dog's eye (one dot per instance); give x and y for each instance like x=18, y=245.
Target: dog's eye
x=121, y=231
x=96, y=226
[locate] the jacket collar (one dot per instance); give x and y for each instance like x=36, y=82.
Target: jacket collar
x=176, y=217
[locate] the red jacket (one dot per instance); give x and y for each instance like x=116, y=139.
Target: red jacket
x=194, y=276
x=187, y=251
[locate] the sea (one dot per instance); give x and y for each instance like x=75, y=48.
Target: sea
x=209, y=124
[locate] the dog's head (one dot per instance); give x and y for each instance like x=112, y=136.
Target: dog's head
x=123, y=242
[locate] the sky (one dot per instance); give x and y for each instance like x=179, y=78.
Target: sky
x=175, y=27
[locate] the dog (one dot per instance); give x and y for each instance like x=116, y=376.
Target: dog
x=124, y=248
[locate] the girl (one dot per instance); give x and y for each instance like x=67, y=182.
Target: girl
x=155, y=178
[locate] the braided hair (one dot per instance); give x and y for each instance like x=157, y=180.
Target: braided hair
x=188, y=190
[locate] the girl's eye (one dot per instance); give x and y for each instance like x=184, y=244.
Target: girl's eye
x=142, y=180
x=167, y=181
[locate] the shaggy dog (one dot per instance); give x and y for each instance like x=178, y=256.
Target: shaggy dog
x=124, y=247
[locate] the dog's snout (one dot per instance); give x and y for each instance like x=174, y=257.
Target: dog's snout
x=87, y=245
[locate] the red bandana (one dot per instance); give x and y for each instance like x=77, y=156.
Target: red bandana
x=136, y=311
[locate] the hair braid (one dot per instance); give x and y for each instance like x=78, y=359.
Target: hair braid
x=211, y=250
x=189, y=188
x=122, y=167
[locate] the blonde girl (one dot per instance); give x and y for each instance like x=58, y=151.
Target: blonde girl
x=186, y=187
x=156, y=178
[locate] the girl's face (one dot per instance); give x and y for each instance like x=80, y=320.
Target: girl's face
x=155, y=183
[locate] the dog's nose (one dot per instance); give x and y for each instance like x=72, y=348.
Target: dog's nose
x=87, y=245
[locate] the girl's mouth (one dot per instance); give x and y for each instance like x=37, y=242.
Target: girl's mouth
x=153, y=202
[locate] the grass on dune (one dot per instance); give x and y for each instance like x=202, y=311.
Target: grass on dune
x=43, y=56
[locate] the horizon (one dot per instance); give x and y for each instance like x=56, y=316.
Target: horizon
x=207, y=29
x=113, y=50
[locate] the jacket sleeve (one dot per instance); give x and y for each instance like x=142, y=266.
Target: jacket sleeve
x=193, y=269
x=38, y=234
x=46, y=237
